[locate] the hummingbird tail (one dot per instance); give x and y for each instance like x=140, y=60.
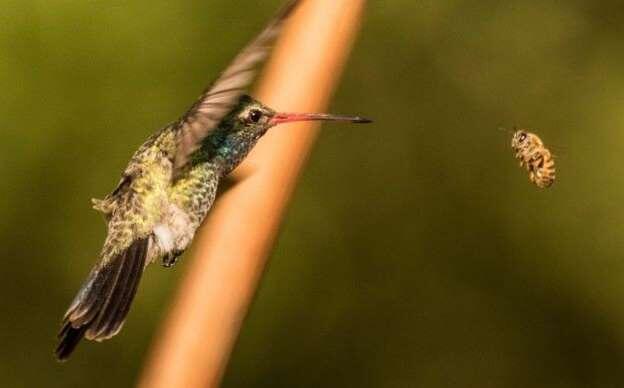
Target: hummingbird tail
x=102, y=304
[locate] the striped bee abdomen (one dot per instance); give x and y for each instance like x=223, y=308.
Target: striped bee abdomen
x=536, y=158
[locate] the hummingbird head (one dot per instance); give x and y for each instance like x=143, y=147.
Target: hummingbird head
x=249, y=121
x=256, y=118
x=251, y=118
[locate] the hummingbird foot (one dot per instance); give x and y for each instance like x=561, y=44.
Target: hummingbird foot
x=171, y=258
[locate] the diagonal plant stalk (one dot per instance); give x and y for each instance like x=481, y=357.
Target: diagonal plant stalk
x=194, y=344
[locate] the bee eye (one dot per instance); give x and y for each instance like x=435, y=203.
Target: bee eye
x=254, y=115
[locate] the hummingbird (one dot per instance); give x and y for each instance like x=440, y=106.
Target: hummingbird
x=170, y=185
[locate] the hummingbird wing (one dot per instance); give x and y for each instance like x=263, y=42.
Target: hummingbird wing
x=221, y=97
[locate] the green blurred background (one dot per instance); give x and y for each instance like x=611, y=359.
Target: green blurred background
x=415, y=254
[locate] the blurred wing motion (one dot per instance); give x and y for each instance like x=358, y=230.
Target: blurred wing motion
x=222, y=96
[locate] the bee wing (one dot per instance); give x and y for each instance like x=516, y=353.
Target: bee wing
x=223, y=94
x=556, y=151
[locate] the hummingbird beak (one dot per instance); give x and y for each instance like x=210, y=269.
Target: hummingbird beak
x=281, y=118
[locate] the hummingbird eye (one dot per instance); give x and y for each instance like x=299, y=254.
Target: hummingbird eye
x=254, y=115
x=522, y=137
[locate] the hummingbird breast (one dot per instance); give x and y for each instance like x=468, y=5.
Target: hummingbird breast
x=188, y=201
x=173, y=234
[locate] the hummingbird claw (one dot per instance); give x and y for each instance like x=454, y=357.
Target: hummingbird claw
x=170, y=259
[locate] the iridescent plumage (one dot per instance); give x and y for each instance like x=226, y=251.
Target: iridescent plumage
x=169, y=186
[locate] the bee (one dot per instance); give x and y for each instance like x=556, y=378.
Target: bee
x=536, y=158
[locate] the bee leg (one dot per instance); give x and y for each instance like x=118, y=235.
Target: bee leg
x=537, y=160
x=533, y=176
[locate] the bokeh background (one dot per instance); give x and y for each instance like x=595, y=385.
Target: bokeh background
x=415, y=252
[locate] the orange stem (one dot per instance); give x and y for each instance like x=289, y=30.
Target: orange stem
x=231, y=249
